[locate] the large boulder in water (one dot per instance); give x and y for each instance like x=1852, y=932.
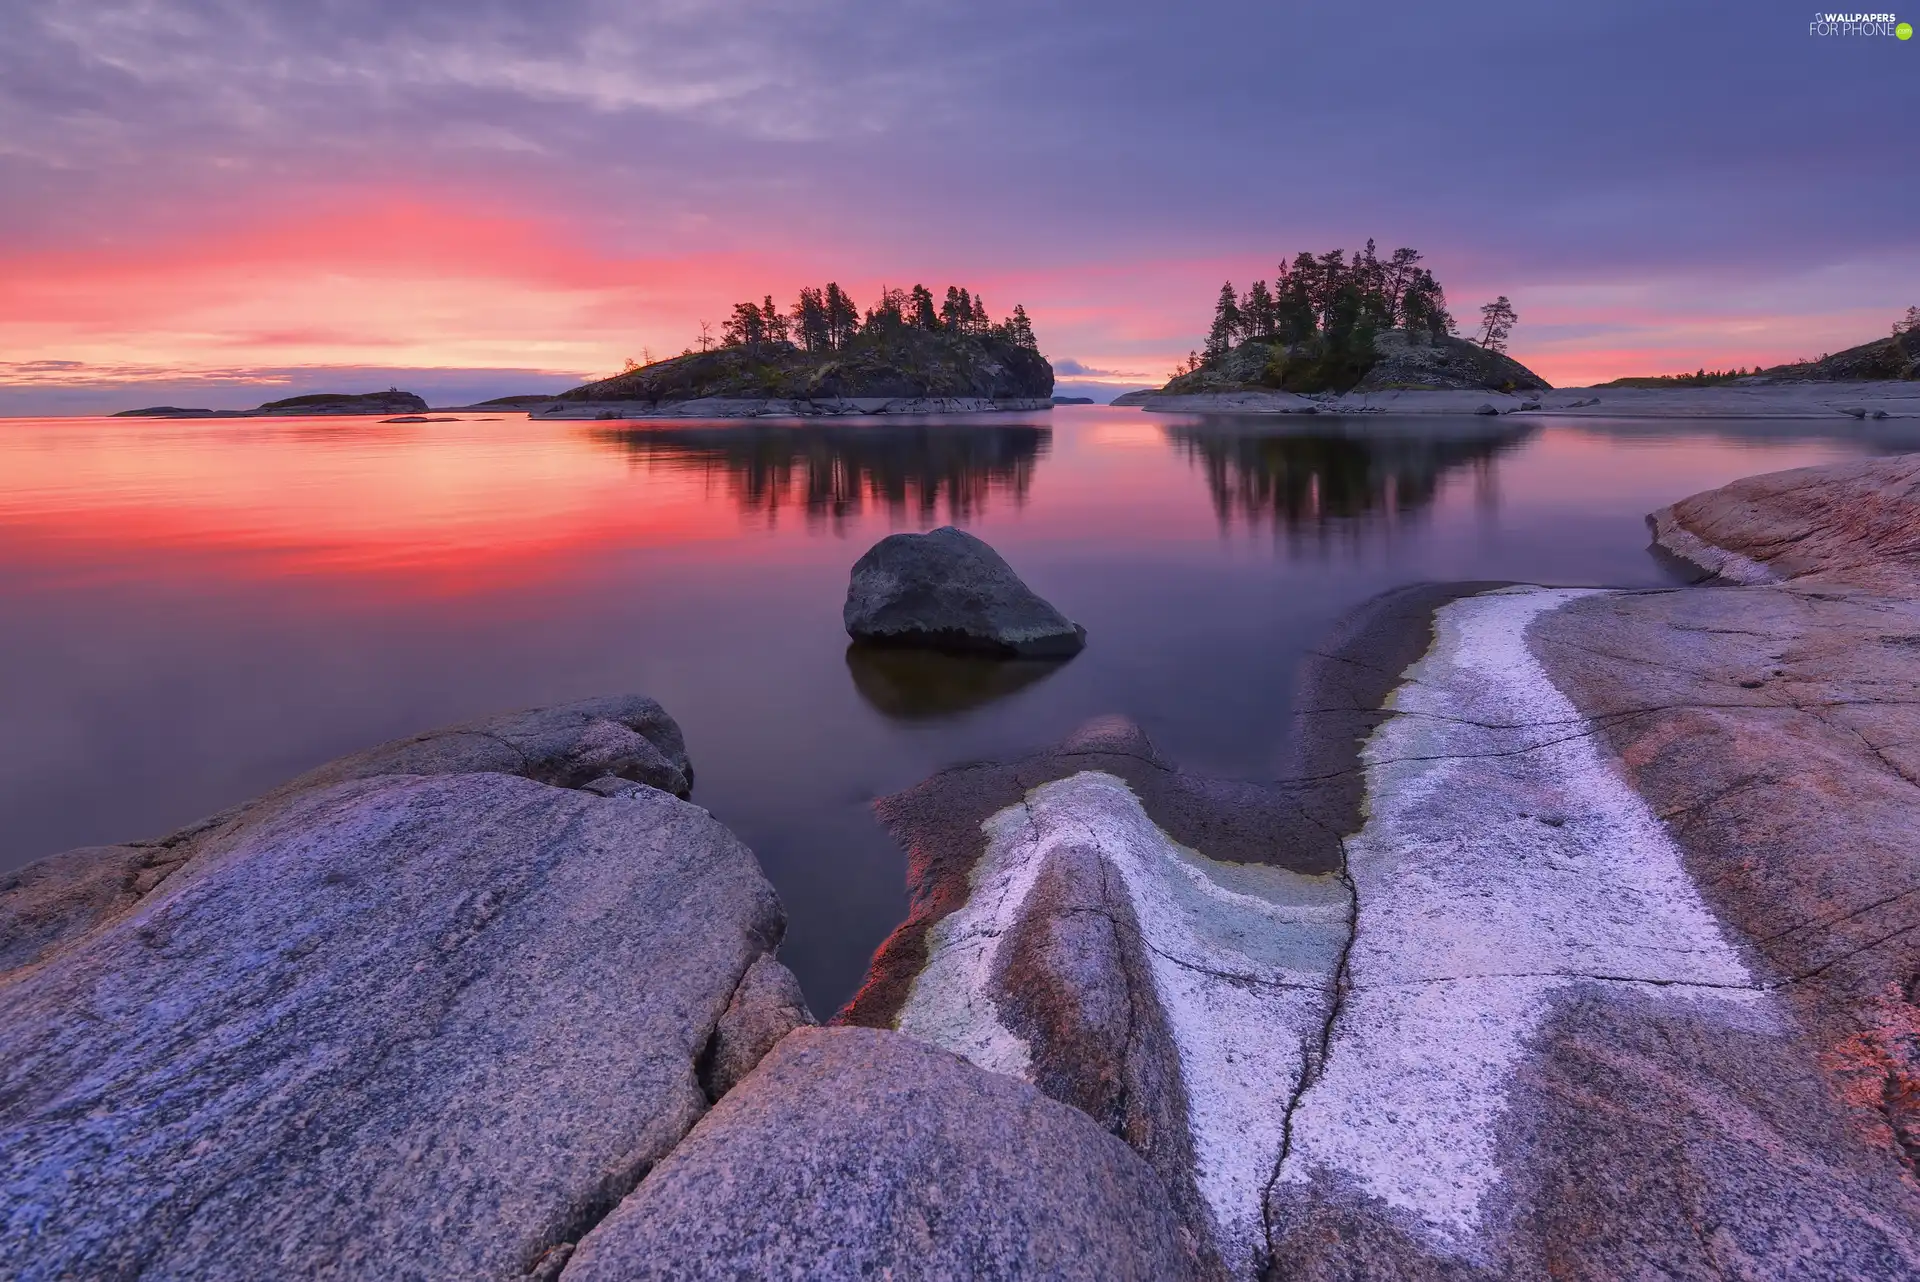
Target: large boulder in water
x=417, y=1014
x=948, y=590
x=852, y=1153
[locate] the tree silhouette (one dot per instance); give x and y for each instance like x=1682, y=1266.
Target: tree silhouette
x=890, y=313
x=843, y=316
x=1227, y=324
x=1258, y=314
x=776, y=324
x=810, y=321
x=1019, y=330
x=1497, y=320
x=956, y=313
x=748, y=325
x=920, y=309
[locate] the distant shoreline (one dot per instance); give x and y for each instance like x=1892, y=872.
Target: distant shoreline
x=1867, y=400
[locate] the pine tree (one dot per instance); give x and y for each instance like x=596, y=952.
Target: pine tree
x=1019, y=330
x=981, y=322
x=921, y=310
x=1258, y=312
x=776, y=324
x=843, y=316
x=810, y=321
x=1227, y=324
x=1329, y=277
x=1395, y=276
x=1423, y=308
x=1294, y=317
x=955, y=314
x=1497, y=320
x=747, y=325
x=890, y=312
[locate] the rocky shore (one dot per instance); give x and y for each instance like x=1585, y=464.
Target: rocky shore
x=784, y=407
x=1581, y=939
x=1784, y=400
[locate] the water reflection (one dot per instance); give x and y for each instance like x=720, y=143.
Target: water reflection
x=1307, y=479
x=831, y=471
x=926, y=685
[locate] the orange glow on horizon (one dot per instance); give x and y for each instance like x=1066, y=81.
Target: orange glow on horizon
x=398, y=280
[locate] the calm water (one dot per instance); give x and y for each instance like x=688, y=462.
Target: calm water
x=192, y=612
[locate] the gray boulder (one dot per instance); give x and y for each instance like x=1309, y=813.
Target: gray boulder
x=381, y=1024
x=851, y=1153
x=948, y=590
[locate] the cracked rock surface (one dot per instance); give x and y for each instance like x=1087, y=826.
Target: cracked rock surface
x=1583, y=942
x=427, y=1012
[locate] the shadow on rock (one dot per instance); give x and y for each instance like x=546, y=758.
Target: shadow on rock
x=926, y=685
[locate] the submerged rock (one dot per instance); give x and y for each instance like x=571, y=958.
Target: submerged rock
x=427, y=1012
x=948, y=590
x=850, y=1153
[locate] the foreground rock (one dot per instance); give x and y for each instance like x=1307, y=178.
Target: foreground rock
x=1599, y=930
x=1146, y=945
x=430, y=1011
x=626, y=736
x=856, y=1154
x=948, y=590
x=1856, y=523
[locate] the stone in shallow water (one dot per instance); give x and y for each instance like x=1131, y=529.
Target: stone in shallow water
x=856, y=1153
x=948, y=590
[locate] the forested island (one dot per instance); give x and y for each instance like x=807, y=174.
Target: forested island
x=907, y=352
x=1336, y=323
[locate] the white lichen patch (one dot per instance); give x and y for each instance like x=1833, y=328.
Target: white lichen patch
x=1504, y=858
x=1241, y=957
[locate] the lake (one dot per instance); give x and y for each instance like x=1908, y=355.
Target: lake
x=191, y=612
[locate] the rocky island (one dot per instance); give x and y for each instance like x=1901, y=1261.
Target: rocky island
x=1580, y=939
x=905, y=357
x=391, y=401
x=1367, y=335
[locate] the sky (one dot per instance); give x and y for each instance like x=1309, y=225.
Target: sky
x=217, y=202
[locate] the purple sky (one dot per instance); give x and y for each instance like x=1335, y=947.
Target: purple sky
x=212, y=202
